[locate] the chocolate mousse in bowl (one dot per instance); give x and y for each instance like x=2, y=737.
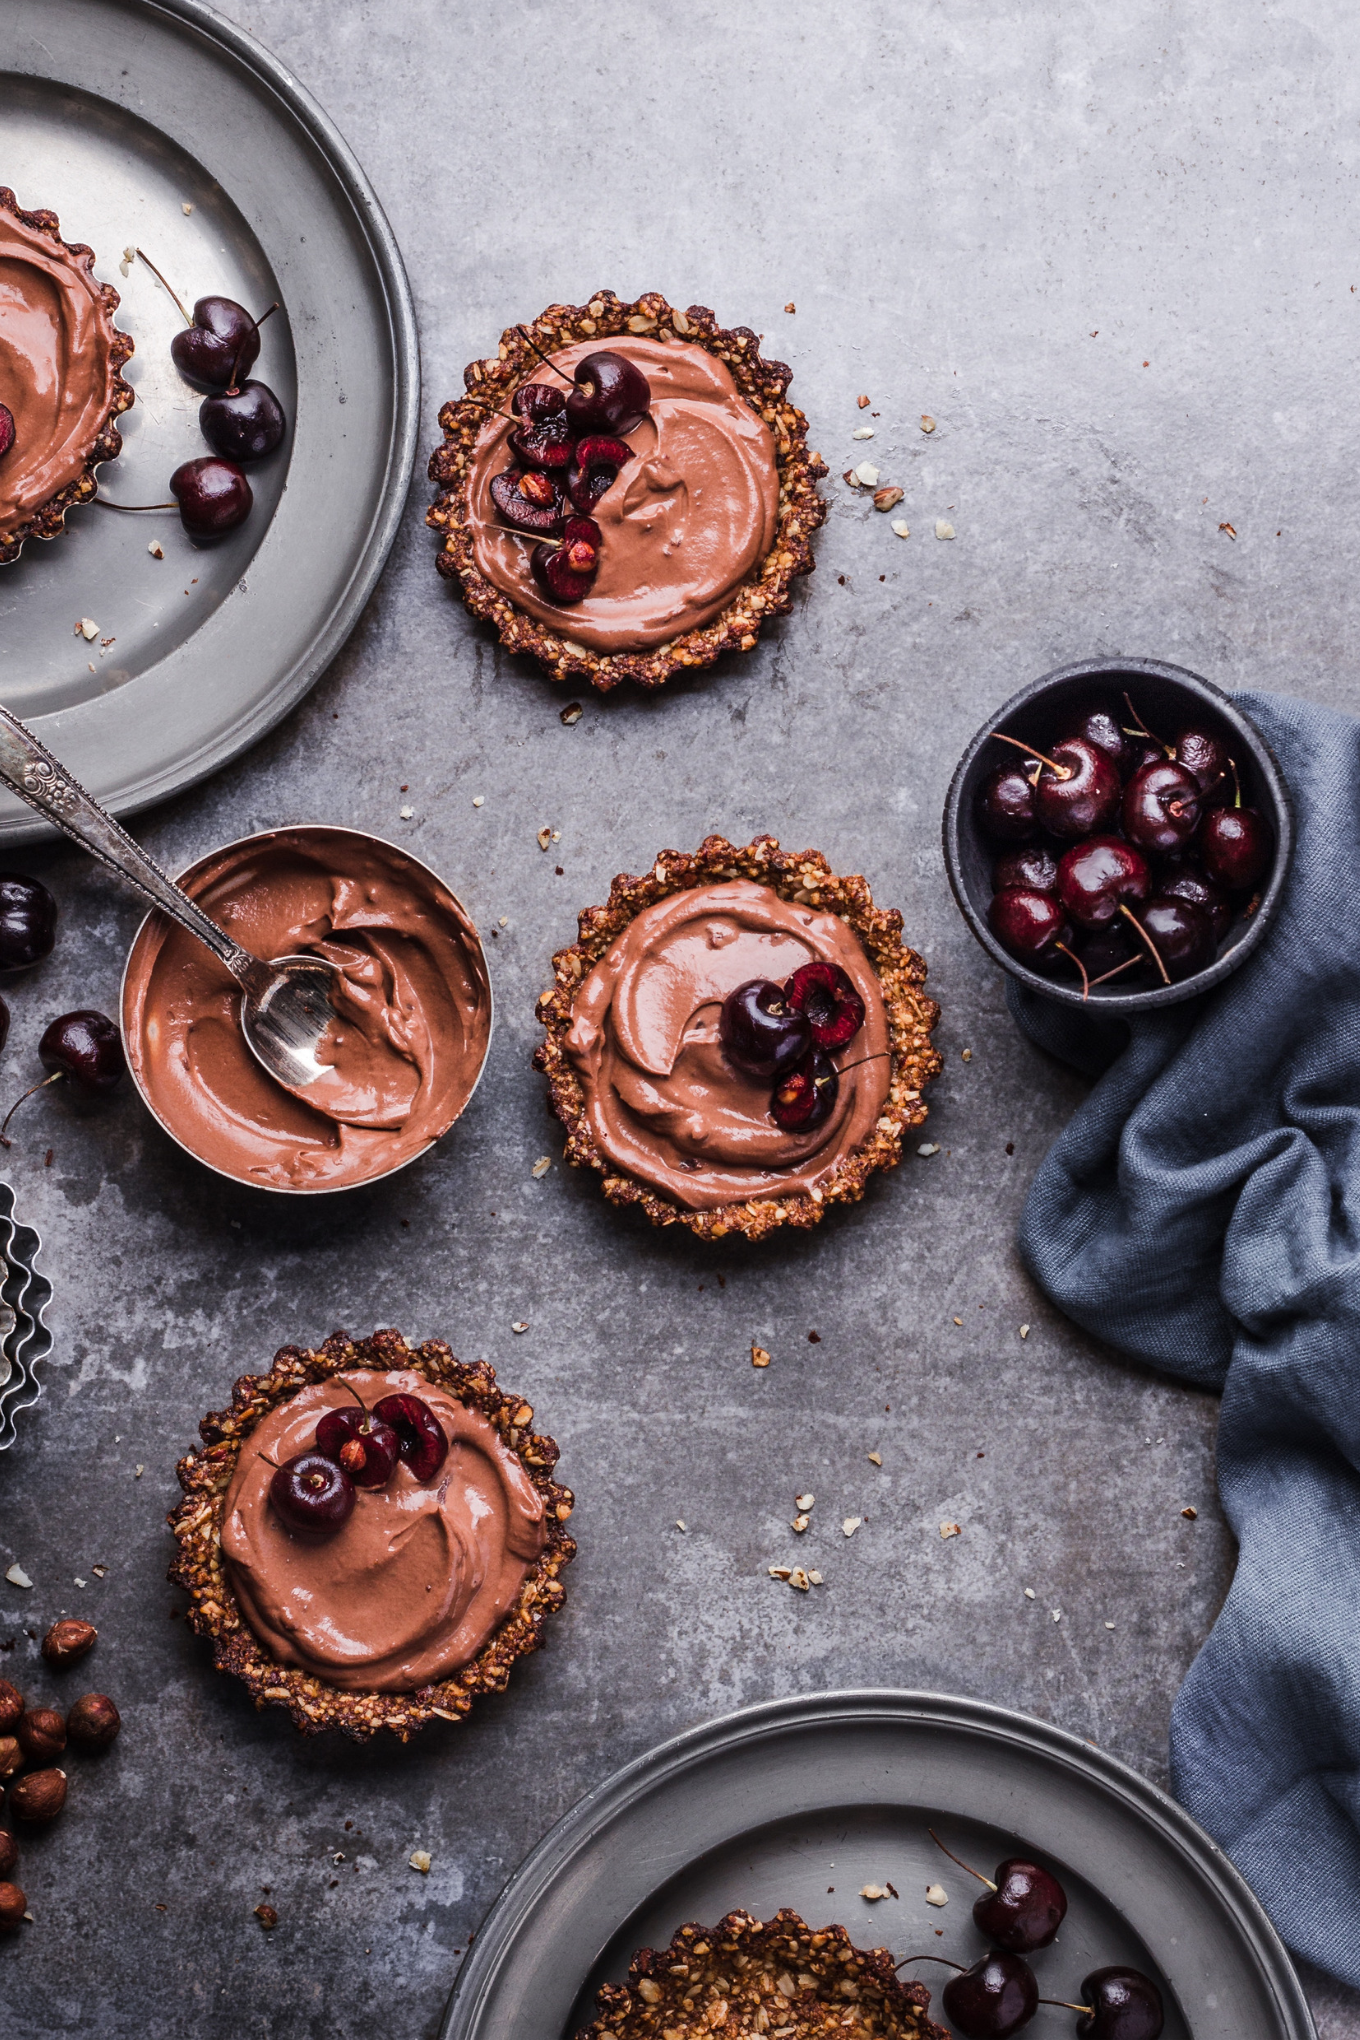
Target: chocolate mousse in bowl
x=412, y=1003
x=626, y=490
x=738, y=1039
x=371, y=1534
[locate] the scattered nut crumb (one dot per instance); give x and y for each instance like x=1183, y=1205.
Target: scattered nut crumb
x=17, y=1577
x=1191, y=1514
x=505, y=921
x=967, y=1055
x=936, y=1895
x=759, y=1357
x=265, y=1914
x=520, y=1325
x=868, y=474
x=951, y=1529
x=942, y=529
x=790, y=308
x=87, y=628
x=419, y=1859
x=479, y=800
x=799, y=1579
x=541, y=1167
x=186, y=209
x=887, y=499
x=901, y=527
x=1056, y=1614
x=851, y=1524
x=780, y=1572
x=679, y=1524
x=1109, y=1625
x=572, y=713
x=876, y=1459
x=1222, y=527
x=129, y=256
x=851, y=478
x=873, y=1891
x=928, y=1147
x=1029, y=1593
x=544, y=838
x=927, y=422
x=82, y=1583
x=99, y=1571
x=815, y=1579
x=137, y=1472
x=958, y=1320
x=863, y=432
x=156, y=549
x=406, y=813
x=863, y=403
x=800, y=1524
x=1024, y=1331
x=804, y=1501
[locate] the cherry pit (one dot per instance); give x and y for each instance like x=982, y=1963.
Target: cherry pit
x=314, y=1492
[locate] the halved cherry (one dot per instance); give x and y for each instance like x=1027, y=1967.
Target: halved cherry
x=595, y=469
x=834, y=1009
x=566, y=572
x=422, y=1443
x=361, y=1442
x=803, y=1099
x=530, y=500
x=546, y=441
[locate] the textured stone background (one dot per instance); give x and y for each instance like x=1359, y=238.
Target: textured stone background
x=1112, y=253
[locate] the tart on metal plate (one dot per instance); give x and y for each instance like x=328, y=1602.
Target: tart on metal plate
x=60, y=387
x=625, y=490
x=748, y=1976
x=738, y=1039
x=371, y=1535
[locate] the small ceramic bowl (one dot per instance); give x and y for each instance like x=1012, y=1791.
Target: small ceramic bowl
x=198, y=880
x=1167, y=698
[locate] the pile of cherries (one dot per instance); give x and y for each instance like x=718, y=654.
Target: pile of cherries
x=314, y=1493
x=790, y=1032
x=1125, y=853
x=85, y=1047
x=1020, y=1912
x=568, y=447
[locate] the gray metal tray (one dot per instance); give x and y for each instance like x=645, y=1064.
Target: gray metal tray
x=24, y=1338
x=771, y=1806
x=118, y=114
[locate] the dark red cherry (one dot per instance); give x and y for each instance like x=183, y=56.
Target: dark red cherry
x=1095, y=876
x=1006, y=806
x=85, y=1047
x=221, y=344
x=611, y=394
x=1026, y=1906
x=6, y=429
x=1161, y=807
x=1143, y=751
x=530, y=500
x=420, y=1434
x=1120, y=2004
x=1099, y=723
x=1082, y=795
x=312, y=1495
x=1183, y=882
x=366, y=1447
x=595, y=469
x=1205, y=757
x=546, y=441
x=834, y=1009
x=1029, y=924
x=1182, y=933
x=566, y=572
x=1235, y=846
x=760, y=1031
x=243, y=424
x=28, y=921
x=997, y=1996
x=804, y=1096
x=213, y=496
x=539, y=401
x=1110, y=948
x=1034, y=868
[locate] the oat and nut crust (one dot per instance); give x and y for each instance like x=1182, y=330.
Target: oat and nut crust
x=806, y=878
x=762, y=383
x=747, y=1976
x=48, y=519
x=214, y=1612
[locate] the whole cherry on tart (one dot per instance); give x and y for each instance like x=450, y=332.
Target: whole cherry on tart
x=545, y=440
x=312, y=1495
x=595, y=469
x=28, y=921
x=761, y=1032
x=566, y=572
x=1023, y=1906
x=420, y=1435
x=6, y=429
x=220, y=343
x=1161, y=806
x=610, y=394
x=1006, y=805
x=244, y=423
x=1180, y=881
x=827, y=995
x=213, y=496
x=359, y=1441
x=1097, y=876
x=1119, y=2004
x=1235, y=847
x=805, y=1095
x=1181, y=933
x=530, y=499
x=1033, y=868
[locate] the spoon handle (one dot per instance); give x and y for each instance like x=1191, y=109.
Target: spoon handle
x=29, y=768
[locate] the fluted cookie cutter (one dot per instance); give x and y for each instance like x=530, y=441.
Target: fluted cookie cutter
x=24, y=1296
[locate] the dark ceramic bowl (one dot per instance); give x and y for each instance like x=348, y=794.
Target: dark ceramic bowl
x=1167, y=698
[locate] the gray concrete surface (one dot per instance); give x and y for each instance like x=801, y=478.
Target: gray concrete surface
x=1112, y=253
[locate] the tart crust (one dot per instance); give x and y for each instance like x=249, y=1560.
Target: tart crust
x=199, y=1568
x=763, y=384
x=747, y=1976
x=806, y=878
x=49, y=518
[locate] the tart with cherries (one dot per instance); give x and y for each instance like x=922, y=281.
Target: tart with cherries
x=752, y=1976
x=738, y=1039
x=60, y=386
x=625, y=490
x=371, y=1535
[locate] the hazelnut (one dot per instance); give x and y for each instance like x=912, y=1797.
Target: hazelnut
x=93, y=1722
x=38, y=1796
x=11, y=1756
x=9, y=1852
x=42, y=1734
x=13, y=1906
x=11, y=1706
x=67, y=1641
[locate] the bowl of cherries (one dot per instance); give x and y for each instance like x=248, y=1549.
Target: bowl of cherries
x=1118, y=833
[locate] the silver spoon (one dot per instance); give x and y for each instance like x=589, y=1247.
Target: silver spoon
x=285, y=1005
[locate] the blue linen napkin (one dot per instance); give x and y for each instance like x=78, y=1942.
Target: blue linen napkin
x=1202, y=1212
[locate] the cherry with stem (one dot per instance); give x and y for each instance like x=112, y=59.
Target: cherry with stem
x=1060, y=771
x=173, y=294
x=1141, y=729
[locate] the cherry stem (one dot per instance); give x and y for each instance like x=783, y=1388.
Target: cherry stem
x=491, y=410
x=232, y=390
x=1142, y=730
x=19, y=1101
x=1236, y=782
x=271, y=1462
x=110, y=505
x=1156, y=957
x=930, y=1830
x=1085, y=995
x=165, y=286
x=1063, y=771
x=1068, y=2007
x=936, y=1958
x=341, y=1382
x=543, y=357
x=844, y=1071
x=1127, y=964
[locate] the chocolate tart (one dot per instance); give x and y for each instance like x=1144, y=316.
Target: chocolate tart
x=215, y=1612
x=804, y=879
x=747, y=1976
x=91, y=438
x=763, y=592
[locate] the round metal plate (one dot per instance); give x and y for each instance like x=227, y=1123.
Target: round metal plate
x=155, y=123
x=775, y=1804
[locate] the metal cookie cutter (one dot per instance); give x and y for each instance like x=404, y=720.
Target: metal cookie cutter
x=24, y=1338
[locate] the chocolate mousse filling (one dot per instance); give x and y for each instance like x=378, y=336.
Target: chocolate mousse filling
x=60, y=354
x=413, y=1009
x=633, y=1053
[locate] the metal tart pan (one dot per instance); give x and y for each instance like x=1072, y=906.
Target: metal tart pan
x=770, y=1806
x=157, y=123
x=185, y=879
x=24, y=1338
